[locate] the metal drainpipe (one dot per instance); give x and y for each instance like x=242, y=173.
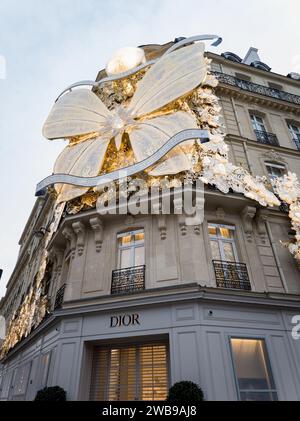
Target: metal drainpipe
x=278, y=264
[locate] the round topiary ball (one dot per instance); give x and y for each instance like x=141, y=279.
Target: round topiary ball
x=185, y=392
x=53, y=394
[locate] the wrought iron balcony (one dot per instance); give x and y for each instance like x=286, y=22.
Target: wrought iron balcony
x=59, y=297
x=266, y=138
x=128, y=280
x=297, y=143
x=257, y=89
x=231, y=275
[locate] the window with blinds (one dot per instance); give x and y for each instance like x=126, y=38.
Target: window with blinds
x=137, y=372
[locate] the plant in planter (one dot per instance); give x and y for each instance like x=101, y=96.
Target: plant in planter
x=54, y=394
x=185, y=392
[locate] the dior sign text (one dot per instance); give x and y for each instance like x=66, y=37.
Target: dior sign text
x=125, y=320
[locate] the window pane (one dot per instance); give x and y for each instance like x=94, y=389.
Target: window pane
x=258, y=396
x=226, y=233
x=139, y=256
x=228, y=252
x=252, y=369
x=125, y=258
x=125, y=241
x=258, y=123
x=215, y=250
x=212, y=230
x=139, y=238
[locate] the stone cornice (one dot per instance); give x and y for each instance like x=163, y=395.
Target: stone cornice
x=262, y=146
x=251, y=97
x=160, y=296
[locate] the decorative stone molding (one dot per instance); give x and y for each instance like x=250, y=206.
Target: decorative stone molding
x=248, y=213
x=97, y=227
x=79, y=229
x=162, y=226
x=260, y=219
x=220, y=213
x=273, y=156
x=129, y=220
x=182, y=224
x=69, y=234
x=197, y=218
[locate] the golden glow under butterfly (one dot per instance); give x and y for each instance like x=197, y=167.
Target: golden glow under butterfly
x=81, y=112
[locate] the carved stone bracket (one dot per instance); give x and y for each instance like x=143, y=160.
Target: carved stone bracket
x=182, y=224
x=97, y=227
x=79, y=229
x=274, y=156
x=260, y=219
x=56, y=255
x=69, y=234
x=197, y=218
x=248, y=213
x=162, y=226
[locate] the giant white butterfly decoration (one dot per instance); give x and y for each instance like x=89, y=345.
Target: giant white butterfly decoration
x=81, y=112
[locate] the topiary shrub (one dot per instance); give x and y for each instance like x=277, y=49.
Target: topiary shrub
x=185, y=392
x=54, y=394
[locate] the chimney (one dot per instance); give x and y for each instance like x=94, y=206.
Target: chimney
x=251, y=56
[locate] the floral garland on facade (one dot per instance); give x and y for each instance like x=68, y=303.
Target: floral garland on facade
x=210, y=164
x=288, y=189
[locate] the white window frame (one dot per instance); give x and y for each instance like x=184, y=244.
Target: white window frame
x=222, y=240
x=132, y=247
x=274, y=165
x=270, y=373
x=257, y=124
x=295, y=134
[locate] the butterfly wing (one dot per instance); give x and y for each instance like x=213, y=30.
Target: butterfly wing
x=152, y=134
x=173, y=76
x=85, y=160
x=76, y=113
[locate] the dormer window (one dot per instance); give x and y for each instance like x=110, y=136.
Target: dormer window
x=261, y=66
x=231, y=56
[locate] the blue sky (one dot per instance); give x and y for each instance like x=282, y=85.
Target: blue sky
x=47, y=45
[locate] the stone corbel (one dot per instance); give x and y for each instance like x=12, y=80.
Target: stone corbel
x=97, y=227
x=59, y=256
x=196, y=220
x=161, y=219
x=79, y=230
x=182, y=224
x=248, y=213
x=260, y=219
x=69, y=234
x=162, y=226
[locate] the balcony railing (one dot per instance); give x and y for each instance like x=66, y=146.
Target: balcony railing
x=128, y=280
x=297, y=143
x=266, y=138
x=257, y=89
x=59, y=297
x=231, y=275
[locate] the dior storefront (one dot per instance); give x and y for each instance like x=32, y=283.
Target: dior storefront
x=134, y=350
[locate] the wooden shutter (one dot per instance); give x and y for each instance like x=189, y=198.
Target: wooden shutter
x=137, y=372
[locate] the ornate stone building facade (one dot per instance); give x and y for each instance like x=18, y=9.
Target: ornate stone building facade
x=138, y=303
